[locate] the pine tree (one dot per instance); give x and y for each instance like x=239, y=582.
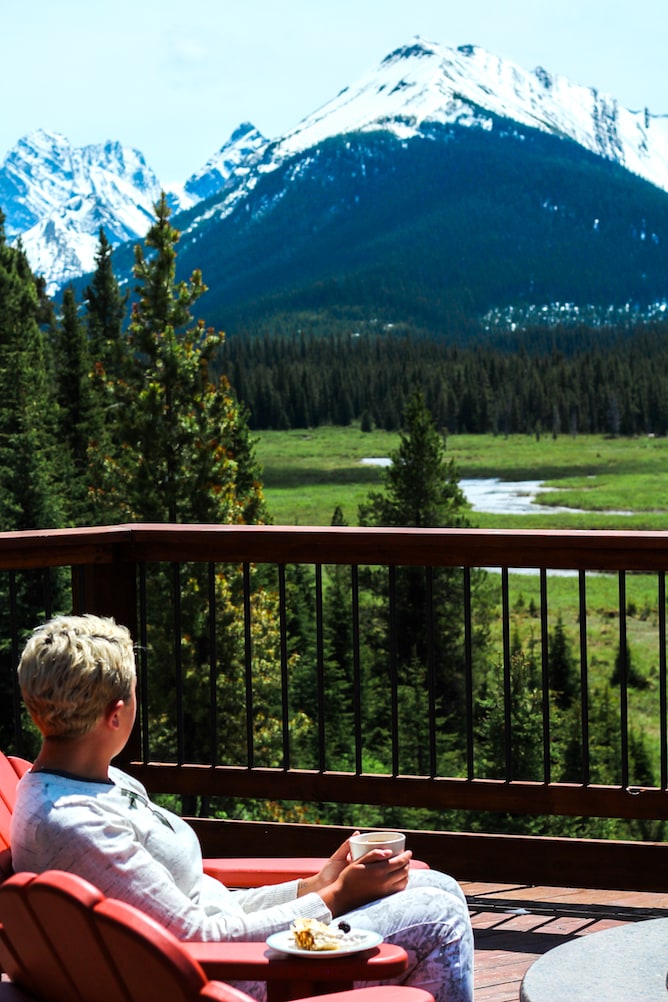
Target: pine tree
x=422, y=490
x=77, y=416
x=29, y=477
x=562, y=667
x=634, y=677
x=339, y=672
x=421, y=485
x=106, y=309
x=524, y=717
x=182, y=451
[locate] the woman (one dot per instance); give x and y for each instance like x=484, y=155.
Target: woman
x=75, y=811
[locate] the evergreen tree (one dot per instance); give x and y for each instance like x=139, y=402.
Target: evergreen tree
x=77, y=418
x=339, y=670
x=634, y=677
x=106, y=309
x=421, y=484
x=524, y=717
x=422, y=490
x=179, y=450
x=563, y=671
x=182, y=450
x=29, y=475
x=302, y=649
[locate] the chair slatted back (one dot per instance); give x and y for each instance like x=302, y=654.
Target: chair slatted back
x=11, y=770
x=26, y=953
x=60, y=938
x=64, y=909
x=152, y=963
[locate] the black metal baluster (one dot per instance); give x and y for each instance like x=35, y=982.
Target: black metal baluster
x=545, y=671
x=623, y=682
x=285, y=698
x=213, y=669
x=320, y=669
x=507, y=690
x=143, y=666
x=393, y=671
x=248, y=669
x=663, y=711
x=431, y=671
x=178, y=663
x=16, y=692
x=357, y=670
x=468, y=655
x=584, y=680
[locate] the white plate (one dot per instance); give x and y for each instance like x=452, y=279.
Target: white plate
x=364, y=940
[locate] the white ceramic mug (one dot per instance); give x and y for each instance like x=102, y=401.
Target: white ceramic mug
x=363, y=843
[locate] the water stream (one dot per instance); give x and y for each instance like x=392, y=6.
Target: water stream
x=504, y=497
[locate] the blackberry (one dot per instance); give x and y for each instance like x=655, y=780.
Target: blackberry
x=344, y=927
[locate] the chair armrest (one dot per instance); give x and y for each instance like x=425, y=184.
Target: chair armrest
x=244, y=961
x=257, y=871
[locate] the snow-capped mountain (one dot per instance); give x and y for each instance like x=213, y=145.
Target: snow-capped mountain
x=445, y=184
x=236, y=157
x=423, y=85
x=56, y=196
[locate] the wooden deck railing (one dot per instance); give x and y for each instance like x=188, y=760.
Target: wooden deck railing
x=107, y=574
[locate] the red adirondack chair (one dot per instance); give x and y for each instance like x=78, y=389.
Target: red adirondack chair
x=61, y=940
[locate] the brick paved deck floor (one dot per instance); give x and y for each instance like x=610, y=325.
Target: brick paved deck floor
x=514, y=925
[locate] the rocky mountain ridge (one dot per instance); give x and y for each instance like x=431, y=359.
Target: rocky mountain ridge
x=56, y=197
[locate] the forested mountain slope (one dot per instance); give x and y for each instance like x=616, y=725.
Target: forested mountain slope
x=433, y=230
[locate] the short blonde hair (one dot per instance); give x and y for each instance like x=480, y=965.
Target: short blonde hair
x=71, y=669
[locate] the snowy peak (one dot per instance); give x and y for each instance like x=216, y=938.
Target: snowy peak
x=236, y=156
x=424, y=84
x=57, y=196
x=43, y=171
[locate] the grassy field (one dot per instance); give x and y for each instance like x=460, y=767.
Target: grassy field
x=307, y=474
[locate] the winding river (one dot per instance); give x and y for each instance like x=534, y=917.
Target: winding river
x=500, y=497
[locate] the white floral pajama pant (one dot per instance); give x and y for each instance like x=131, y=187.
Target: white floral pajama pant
x=430, y=919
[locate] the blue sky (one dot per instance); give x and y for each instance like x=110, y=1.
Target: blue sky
x=174, y=78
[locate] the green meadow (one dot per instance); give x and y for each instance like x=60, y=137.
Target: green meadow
x=307, y=474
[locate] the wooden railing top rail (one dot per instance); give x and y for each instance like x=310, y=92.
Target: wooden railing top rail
x=517, y=548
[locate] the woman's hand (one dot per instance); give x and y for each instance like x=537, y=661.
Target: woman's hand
x=330, y=871
x=375, y=875
x=336, y=863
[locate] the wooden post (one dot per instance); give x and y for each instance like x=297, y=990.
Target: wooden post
x=110, y=589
